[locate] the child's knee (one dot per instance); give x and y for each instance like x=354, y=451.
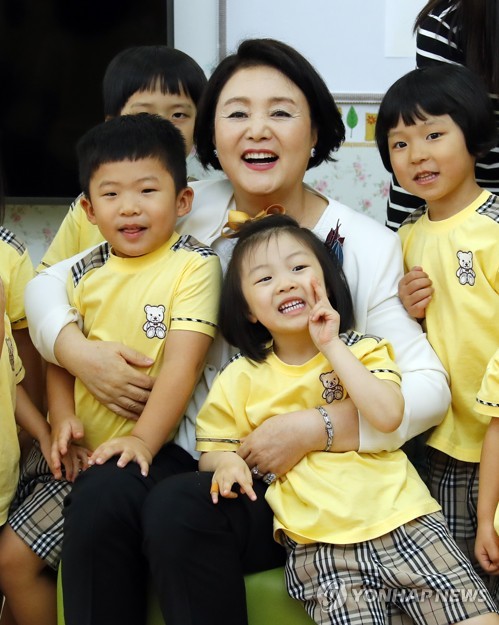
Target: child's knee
x=16, y=558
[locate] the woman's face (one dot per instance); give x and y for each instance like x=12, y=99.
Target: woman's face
x=263, y=132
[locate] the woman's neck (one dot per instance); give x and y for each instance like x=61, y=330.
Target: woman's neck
x=302, y=204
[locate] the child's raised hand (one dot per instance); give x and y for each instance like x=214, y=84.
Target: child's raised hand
x=415, y=292
x=324, y=321
x=232, y=470
x=128, y=448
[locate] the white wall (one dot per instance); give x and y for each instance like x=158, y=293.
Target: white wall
x=359, y=46
x=196, y=31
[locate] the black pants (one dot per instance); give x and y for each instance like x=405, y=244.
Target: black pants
x=104, y=573
x=198, y=551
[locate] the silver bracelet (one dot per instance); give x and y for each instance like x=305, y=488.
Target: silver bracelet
x=329, y=427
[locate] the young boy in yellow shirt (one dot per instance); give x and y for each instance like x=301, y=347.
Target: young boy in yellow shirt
x=147, y=287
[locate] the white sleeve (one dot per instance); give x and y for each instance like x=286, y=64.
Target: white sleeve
x=424, y=380
x=47, y=306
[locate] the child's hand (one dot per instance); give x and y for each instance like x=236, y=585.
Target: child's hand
x=70, y=429
x=75, y=461
x=324, y=321
x=45, y=443
x=232, y=470
x=487, y=549
x=129, y=448
x=415, y=292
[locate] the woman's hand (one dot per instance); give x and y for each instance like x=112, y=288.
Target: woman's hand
x=415, y=292
x=108, y=370
x=281, y=441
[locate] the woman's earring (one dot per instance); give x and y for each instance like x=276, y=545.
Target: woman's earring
x=312, y=153
x=215, y=153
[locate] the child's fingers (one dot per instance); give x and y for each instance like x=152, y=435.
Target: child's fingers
x=56, y=461
x=82, y=455
x=318, y=311
x=101, y=455
x=129, y=455
x=248, y=490
x=214, y=490
x=70, y=470
x=318, y=291
x=225, y=485
x=63, y=439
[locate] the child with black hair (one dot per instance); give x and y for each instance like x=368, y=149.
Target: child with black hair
x=146, y=286
x=433, y=124
x=463, y=32
x=152, y=79
x=347, y=520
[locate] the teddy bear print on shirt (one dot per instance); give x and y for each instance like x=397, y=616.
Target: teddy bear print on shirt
x=465, y=272
x=154, y=325
x=332, y=387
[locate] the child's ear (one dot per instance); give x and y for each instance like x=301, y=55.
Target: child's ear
x=86, y=204
x=184, y=201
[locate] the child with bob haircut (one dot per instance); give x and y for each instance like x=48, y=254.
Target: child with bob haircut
x=147, y=287
x=432, y=125
x=342, y=517
x=152, y=79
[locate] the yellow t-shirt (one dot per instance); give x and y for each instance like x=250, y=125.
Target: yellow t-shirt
x=137, y=301
x=338, y=498
x=461, y=256
x=16, y=270
x=11, y=374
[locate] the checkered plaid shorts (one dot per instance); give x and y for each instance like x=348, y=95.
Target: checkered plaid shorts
x=36, y=511
x=414, y=574
x=454, y=484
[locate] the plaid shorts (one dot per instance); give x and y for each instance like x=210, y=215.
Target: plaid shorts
x=36, y=511
x=454, y=484
x=414, y=574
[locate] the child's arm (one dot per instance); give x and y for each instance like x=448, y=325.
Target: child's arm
x=66, y=427
x=30, y=419
x=183, y=361
x=415, y=292
x=34, y=379
x=487, y=540
x=380, y=401
x=229, y=469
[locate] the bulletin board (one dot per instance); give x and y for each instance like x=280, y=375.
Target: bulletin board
x=360, y=47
